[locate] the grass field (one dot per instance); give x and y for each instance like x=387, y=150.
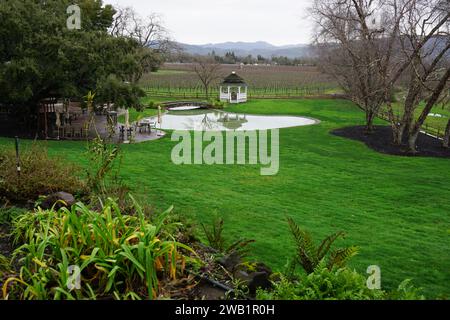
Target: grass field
x=395, y=208
x=433, y=124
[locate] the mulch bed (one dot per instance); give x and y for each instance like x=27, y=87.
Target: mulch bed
x=5, y=242
x=381, y=141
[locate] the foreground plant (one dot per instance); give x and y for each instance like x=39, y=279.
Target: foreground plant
x=327, y=277
x=335, y=284
x=309, y=256
x=40, y=174
x=118, y=256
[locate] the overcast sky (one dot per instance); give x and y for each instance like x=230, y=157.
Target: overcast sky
x=279, y=22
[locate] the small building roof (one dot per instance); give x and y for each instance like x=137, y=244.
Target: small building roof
x=234, y=79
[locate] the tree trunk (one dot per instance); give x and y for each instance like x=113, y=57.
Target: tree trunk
x=446, y=141
x=396, y=126
x=397, y=133
x=414, y=133
x=412, y=140
x=370, y=116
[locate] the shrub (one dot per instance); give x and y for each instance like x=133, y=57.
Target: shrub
x=335, y=284
x=406, y=291
x=214, y=234
x=327, y=277
x=216, y=240
x=120, y=256
x=323, y=284
x=40, y=175
x=102, y=158
x=5, y=267
x=7, y=215
x=216, y=103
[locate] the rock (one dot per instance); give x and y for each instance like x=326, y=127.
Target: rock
x=231, y=261
x=256, y=276
x=243, y=276
x=259, y=280
x=55, y=200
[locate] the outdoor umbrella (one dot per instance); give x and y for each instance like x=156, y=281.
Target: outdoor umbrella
x=58, y=122
x=127, y=119
x=127, y=125
x=58, y=119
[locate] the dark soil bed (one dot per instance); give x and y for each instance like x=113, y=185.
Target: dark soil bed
x=5, y=243
x=381, y=141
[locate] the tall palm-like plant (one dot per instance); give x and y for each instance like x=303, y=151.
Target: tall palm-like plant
x=309, y=256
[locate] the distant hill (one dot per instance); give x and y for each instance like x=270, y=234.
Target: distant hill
x=262, y=48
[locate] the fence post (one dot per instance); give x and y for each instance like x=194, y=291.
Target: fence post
x=18, y=168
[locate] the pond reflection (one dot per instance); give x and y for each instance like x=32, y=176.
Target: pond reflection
x=218, y=120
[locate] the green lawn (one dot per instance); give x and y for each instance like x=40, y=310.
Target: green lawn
x=396, y=209
x=432, y=123
x=138, y=115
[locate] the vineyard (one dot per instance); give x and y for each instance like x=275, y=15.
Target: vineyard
x=179, y=81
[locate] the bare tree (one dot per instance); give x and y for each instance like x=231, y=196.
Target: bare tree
x=446, y=141
x=369, y=45
x=425, y=41
x=119, y=27
x=348, y=39
x=445, y=102
x=149, y=33
x=208, y=71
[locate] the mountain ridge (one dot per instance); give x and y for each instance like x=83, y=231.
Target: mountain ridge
x=242, y=48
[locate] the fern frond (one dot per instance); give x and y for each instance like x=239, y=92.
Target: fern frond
x=339, y=257
x=290, y=267
x=326, y=244
x=305, y=246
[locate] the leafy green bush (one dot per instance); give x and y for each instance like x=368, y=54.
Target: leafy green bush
x=335, y=284
x=323, y=284
x=216, y=103
x=7, y=215
x=5, y=267
x=40, y=175
x=405, y=291
x=120, y=256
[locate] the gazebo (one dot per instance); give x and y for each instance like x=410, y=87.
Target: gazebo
x=233, y=89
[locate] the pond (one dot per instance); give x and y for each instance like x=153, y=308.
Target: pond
x=217, y=120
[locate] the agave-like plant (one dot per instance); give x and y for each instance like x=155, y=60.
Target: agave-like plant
x=119, y=256
x=309, y=256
